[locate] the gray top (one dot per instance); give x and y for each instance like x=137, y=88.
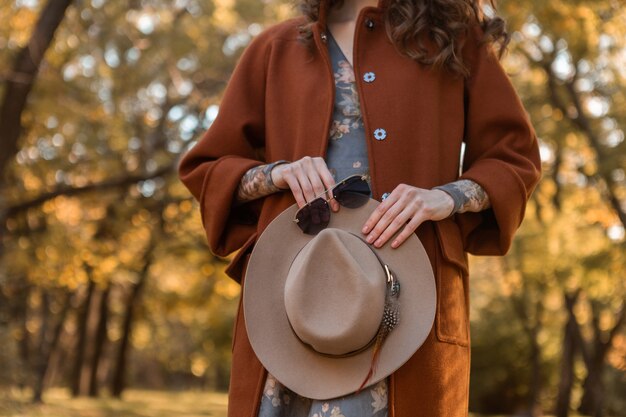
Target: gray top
x=346, y=155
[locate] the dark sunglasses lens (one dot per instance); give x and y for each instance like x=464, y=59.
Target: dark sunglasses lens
x=314, y=217
x=353, y=193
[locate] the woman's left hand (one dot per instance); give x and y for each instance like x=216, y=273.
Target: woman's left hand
x=405, y=204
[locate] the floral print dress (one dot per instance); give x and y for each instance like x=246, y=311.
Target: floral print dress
x=346, y=155
x=347, y=149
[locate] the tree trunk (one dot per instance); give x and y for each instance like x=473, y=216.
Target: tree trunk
x=40, y=357
x=592, y=402
x=21, y=313
x=99, y=341
x=532, y=326
x=81, y=341
x=119, y=372
x=47, y=349
x=566, y=381
x=21, y=80
x=55, y=347
x=17, y=88
x=593, y=387
x=534, y=403
x=118, y=382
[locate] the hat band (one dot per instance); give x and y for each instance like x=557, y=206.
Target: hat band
x=335, y=355
x=388, y=321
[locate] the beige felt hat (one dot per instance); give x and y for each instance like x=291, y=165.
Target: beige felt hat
x=318, y=307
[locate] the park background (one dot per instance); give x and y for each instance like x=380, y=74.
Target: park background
x=110, y=302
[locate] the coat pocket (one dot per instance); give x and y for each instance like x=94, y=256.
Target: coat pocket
x=451, y=243
x=452, y=318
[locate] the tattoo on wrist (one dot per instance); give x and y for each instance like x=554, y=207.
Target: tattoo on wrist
x=468, y=196
x=255, y=183
x=475, y=197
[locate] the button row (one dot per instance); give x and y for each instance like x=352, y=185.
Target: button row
x=368, y=77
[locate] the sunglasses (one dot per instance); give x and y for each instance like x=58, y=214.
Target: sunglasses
x=351, y=192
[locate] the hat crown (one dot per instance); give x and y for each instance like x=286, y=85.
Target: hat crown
x=334, y=293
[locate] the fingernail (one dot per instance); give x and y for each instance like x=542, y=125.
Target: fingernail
x=378, y=243
x=365, y=229
x=370, y=239
x=394, y=244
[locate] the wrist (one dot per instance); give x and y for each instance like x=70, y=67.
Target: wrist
x=457, y=201
x=268, y=174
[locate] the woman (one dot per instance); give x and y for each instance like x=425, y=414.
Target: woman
x=303, y=110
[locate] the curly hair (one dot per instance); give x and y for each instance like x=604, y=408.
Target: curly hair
x=444, y=21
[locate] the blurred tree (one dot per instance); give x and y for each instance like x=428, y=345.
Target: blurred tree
x=567, y=59
x=93, y=207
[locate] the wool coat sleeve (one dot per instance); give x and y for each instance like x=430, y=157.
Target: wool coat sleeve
x=501, y=152
x=213, y=168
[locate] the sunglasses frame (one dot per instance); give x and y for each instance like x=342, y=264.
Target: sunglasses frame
x=331, y=189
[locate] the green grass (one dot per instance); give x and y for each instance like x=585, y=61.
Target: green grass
x=134, y=403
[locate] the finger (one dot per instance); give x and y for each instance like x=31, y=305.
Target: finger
x=386, y=220
x=316, y=181
x=305, y=185
x=327, y=180
x=294, y=185
x=379, y=211
x=408, y=230
x=395, y=224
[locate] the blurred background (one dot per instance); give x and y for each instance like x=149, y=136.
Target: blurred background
x=110, y=302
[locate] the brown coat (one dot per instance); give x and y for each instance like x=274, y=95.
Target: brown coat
x=278, y=105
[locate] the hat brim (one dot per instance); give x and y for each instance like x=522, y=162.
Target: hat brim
x=295, y=365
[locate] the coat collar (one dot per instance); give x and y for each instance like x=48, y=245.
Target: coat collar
x=325, y=5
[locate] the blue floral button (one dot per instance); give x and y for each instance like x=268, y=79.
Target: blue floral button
x=385, y=195
x=380, y=134
x=369, y=77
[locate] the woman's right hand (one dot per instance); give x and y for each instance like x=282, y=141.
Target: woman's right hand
x=307, y=178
